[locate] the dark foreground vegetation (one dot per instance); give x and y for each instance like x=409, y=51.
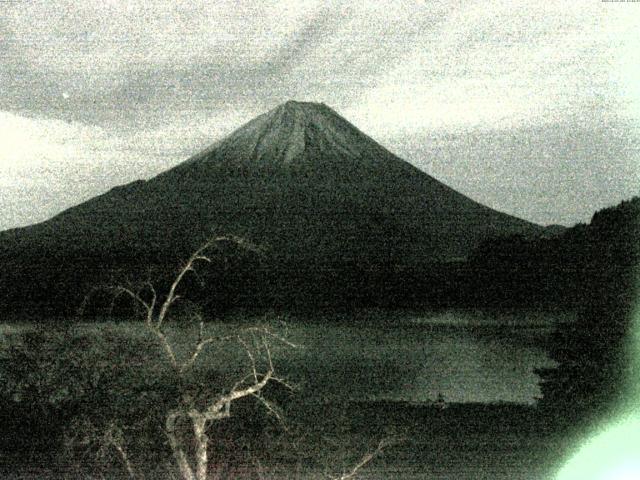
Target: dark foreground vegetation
x=90, y=403
x=97, y=403
x=566, y=269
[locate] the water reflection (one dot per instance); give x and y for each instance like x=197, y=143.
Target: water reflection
x=416, y=358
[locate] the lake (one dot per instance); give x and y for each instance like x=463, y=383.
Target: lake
x=406, y=356
x=466, y=357
x=387, y=357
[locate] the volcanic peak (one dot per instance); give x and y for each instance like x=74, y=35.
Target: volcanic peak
x=283, y=135
x=296, y=115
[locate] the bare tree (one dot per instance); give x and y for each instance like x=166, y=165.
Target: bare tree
x=100, y=442
x=187, y=425
x=354, y=471
x=193, y=464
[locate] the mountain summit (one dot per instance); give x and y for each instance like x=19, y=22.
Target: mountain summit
x=303, y=178
x=292, y=134
x=299, y=180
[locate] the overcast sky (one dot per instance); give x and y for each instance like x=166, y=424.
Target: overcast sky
x=532, y=108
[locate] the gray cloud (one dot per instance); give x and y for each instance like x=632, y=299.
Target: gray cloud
x=534, y=110
x=554, y=173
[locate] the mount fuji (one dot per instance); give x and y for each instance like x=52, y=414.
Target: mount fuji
x=299, y=180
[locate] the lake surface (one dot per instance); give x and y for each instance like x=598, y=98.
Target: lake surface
x=406, y=356
x=466, y=357
x=377, y=355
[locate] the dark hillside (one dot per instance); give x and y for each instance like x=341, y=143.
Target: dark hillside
x=591, y=269
x=327, y=203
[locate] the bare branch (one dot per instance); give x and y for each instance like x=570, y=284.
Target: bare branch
x=152, y=304
x=279, y=338
x=116, y=442
x=285, y=383
x=364, y=461
x=251, y=357
x=203, y=342
x=116, y=292
x=272, y=409
x=197, y=256
x=199, y=347
x=168, y=349
x=268, y=351
x=200, y=327
x=215, y=411
x=181, y=457
x=192, y=465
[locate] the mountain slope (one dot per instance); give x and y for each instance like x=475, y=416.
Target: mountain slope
x=299, y=180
